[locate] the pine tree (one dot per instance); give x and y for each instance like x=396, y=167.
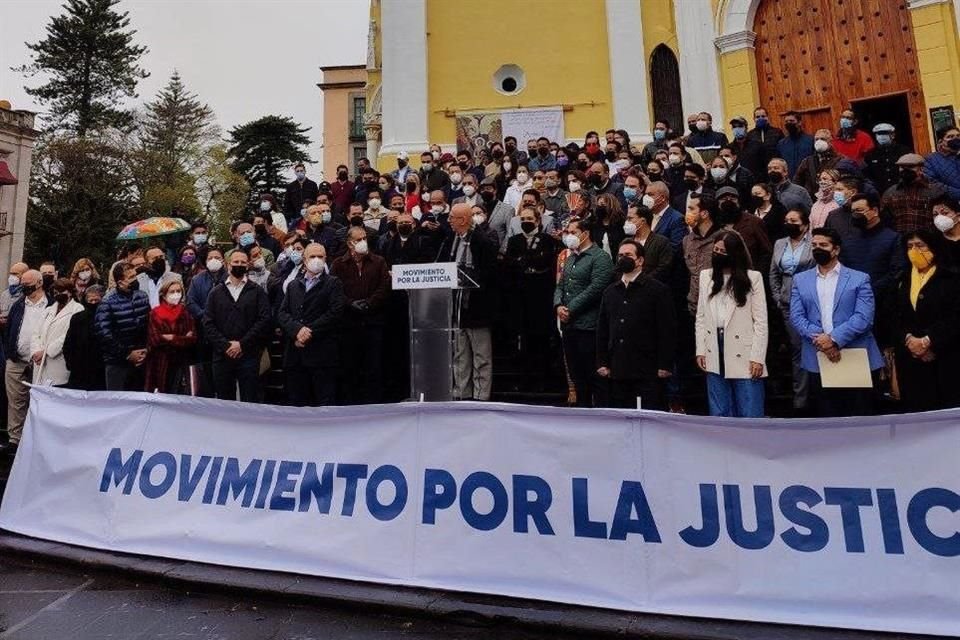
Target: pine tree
x=92, y=63
x=264, y=148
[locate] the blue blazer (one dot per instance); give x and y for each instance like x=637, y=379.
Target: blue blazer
x=673, y=227
x=853, y=311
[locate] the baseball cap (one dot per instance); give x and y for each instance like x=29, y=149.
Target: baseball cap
x=727, y=191
x=884, y=127
x=403, y=155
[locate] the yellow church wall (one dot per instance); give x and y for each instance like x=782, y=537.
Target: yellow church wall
x=375, y=75
x=464, y=52
x=659, y=27
x=738, y=82
x=938, y=54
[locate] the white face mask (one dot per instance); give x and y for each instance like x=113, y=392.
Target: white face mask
x=85, y=275
x=315, y=265
x=821, y=146
x=944, y=223
x=361, y=247
x=718, y=173
x=675, y=159
x=574, y=186
x=478, y=219
x=647, y=201
x=259, y=264
x=436, y=209
x=264, y=206
x=214, y=265
x=630, y=229
x=571, y=241
x=374, y=203
x=469, y=190
x=174, y=298
x=13, y=281
x=507, y=166
x=456, y=178
x=417, y=215
x=522, y=177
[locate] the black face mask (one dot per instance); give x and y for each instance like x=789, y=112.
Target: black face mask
x=756, y=201
x=793, y=230
x=238, y=271
x=528, y=226
x=62, y=297
x=721, y=261
x=411, y=187
x=730, y=211
x=595, y=179
x=860, y=222
x=260, y=229
x=625, y=265
x=47, y=281
x=602, y=212
x=792, y=128
x=691, y=185
x=342, y=176
x=775, y=177
x=487, y=196
x=158, y=267
x=611, y=155
x=497, y=154
x=693, y=127
x=655, y=176
x=29, y=289
x=405, y=229
x=582, y=165
x=511, y=147
x=356, y=221
x=907, y=176
x=821, y=256
x=544, y=152
x=463, y=165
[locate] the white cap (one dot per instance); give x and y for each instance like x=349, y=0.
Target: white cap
x=883, y=127
x=403, y=155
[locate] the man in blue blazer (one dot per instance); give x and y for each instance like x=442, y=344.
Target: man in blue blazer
x=832, y=308
x=667, y=221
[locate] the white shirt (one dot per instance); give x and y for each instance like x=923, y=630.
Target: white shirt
x=32, y=318
x=627, y=278
x=723, y=303
x=235, y=289
x=656, y=219
x=826, y=293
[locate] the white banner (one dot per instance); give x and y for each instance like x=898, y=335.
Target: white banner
x=434, y=275
x=849, y=523
x=527, y=124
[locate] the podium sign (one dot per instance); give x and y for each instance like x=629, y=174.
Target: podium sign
x=434, y=275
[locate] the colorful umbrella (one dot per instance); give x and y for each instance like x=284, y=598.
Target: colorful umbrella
x=152, y=227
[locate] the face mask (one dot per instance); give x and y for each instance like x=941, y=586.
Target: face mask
x=757, y=201
x=85, y=275
x=405, y=229
x=61, y=297
x=427, y=166
x=792, y=128
x=690, y=184
x=551, y=183
x=246, y=239
x=860, y=222
x=629, y=193
x=625, y=264
x=456, y=178
x=544, y=152
x=507, y=166
x=648, y=201
x=675, y=159
x=361, y=248
x=510, y=147
x=133, y=286
x=487, y=196
x=188, y=258
x=821, y=146
x=821, y=256
x=571, y=241
x=920, y=258
x=342, y=175
x=47, y=280
x=260, y=229
x=14, y=281
x=846, y=123
x=718, y=173
x=630, y=229
x=954, y=145
x=595, y=180
x=30, y=289
x=775, y=177
x=436, y=209
x=259, y=264
x=295, y=255
x=522, y=177
x=528, y=226
x=839, y=198
x=793, y=230
x=730, y=211
x=356, y=221
x=238, y=271
x=214, y=265
x=417, y=215
x=478, y=219
x=884, y=139
x=610, y=155
x=301, y=175
x=562, y=161
x=602, y=212
x=659, y=135
x=740, y=132
x=692, y=126
x=303, y=214
x=941, y=222
x=761, y=121
x=374, y=203
x=174, y=298
x=574, y=186
x=655, y=176
x=691, y=219
x=158, y=267
x=436, y=155
x=200, y=239
x=264, y=206
x=497, y=154
x=702, y=125
x=315, y=265
x=721, y=261
x=907, y=176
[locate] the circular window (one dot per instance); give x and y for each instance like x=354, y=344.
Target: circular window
x=509, y=80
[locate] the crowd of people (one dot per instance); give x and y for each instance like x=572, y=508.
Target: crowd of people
x=655, y=271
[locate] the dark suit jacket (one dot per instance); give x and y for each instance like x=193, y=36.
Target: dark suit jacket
x=636, y=331
x=478, y=305
x=673, y=228
x=321, y=310
x=658, y=258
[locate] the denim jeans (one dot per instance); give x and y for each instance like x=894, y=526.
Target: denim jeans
x=734, y=397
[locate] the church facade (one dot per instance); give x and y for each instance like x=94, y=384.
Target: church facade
x=626, y=63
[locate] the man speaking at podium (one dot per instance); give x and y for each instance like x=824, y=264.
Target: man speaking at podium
x=476, y=258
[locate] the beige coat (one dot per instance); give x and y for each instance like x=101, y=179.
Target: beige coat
x=49, y=338
x=744, y=330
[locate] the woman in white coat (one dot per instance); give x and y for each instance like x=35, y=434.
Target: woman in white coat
x=731, y=330
x=46, y=344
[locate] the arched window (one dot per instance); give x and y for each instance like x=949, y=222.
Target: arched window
x=665, y=83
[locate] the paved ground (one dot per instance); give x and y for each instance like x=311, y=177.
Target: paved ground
x=56, y=603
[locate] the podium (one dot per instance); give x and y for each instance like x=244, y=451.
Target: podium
x=433, y=326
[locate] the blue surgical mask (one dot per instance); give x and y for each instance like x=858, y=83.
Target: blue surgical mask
x=846, y=123
x=629, y=193
x=739, y=132
x=659, y=134
x=295, y=255
x=762, y=121
x=199, y=238
x=246, y=239
x=884, y=138
x=301, y=175
x=839, y=198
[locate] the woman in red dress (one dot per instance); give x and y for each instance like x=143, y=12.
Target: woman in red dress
x=170, y=336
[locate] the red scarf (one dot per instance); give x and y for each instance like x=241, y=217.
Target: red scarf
x=169, y=312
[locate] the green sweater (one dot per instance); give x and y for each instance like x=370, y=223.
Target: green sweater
x=585, y=277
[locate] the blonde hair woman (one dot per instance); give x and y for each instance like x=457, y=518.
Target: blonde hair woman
x=84, y=275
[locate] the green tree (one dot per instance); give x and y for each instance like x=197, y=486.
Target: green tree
x=91, y=63
x=222, y=191
x=262, y=149
x=81, y=197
